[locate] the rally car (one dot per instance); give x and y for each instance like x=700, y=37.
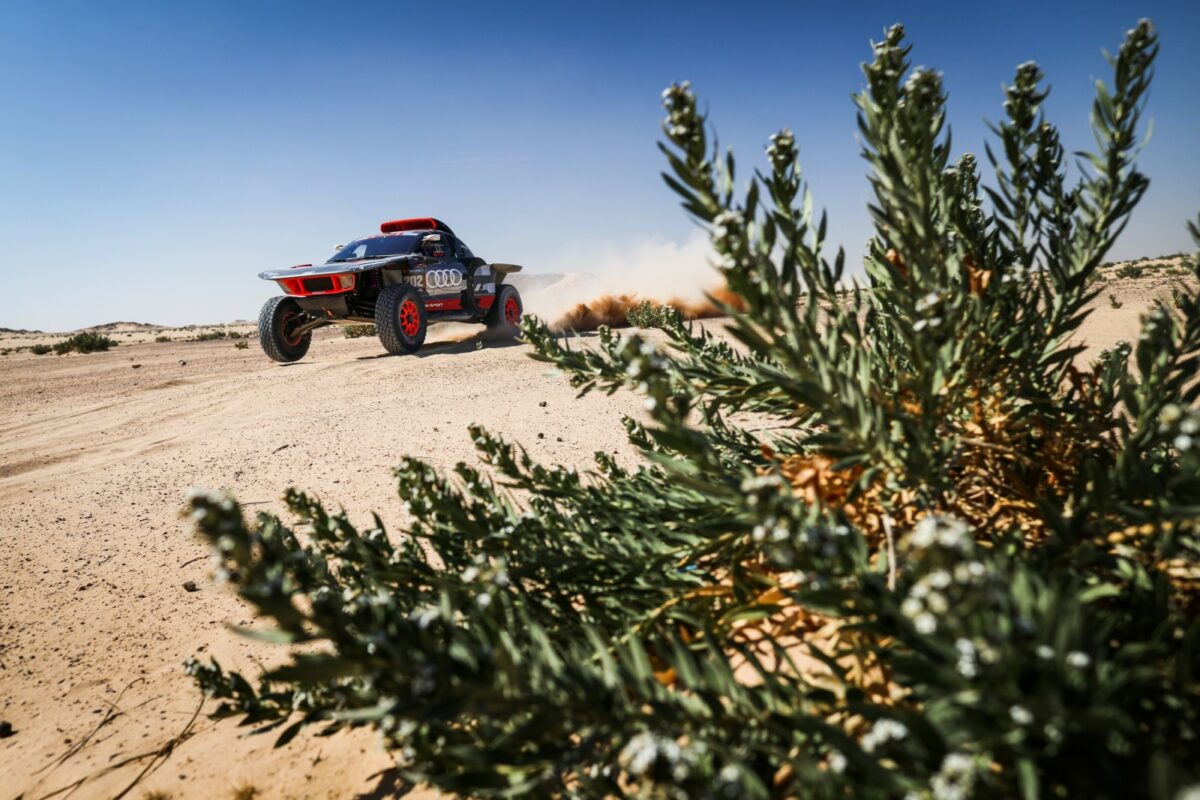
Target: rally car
x=414, y=272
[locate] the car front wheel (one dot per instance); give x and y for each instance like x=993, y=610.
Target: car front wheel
x=400, y=319
x=277, y=323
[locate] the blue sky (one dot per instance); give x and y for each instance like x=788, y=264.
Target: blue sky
x=155, y=156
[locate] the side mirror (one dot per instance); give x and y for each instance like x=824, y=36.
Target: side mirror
x=337, y=247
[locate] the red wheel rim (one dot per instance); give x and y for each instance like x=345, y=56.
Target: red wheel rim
x=512, y=311
x=284, y=324
x=410, y=318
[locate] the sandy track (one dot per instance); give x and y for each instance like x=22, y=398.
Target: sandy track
x=95, y=458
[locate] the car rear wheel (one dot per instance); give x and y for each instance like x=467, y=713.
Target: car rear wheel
x=506, y=311
x=277, y=323
x=400, y=319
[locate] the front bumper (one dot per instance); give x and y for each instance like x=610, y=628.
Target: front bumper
x=318, y=284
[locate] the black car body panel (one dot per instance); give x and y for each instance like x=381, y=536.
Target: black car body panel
x=335, y=268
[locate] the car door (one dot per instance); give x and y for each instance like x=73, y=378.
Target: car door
x=444, y=272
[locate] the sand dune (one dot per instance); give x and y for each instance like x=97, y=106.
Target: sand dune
x=111, y=327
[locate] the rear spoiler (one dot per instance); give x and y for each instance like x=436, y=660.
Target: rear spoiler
x=505, y=269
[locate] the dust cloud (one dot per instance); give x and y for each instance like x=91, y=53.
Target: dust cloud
x=598, y=288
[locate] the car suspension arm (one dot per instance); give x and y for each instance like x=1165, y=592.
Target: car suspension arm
x=305, y=327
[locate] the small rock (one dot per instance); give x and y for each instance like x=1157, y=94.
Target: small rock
x=183, y=363
x=190, y=586
x=542, y=404
x=541, y=436
x=6, y=729
x=136, y=366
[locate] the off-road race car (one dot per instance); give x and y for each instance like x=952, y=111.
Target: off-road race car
x=411, y=274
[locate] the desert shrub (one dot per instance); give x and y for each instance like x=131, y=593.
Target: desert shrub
x=162, y=339
x=86, y=342
x=955, y=563
x=241, y=345
x=1130, y=271
x=40, y=349
x=647, y=314
x=209, y=336
x=1113, y=302
x=358, y=331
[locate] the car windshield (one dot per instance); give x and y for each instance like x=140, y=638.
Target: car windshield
x=399, y=244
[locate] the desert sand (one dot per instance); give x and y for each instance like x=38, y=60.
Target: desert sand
x=96, y=454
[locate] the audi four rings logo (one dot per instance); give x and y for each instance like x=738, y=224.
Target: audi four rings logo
x=443, y=278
